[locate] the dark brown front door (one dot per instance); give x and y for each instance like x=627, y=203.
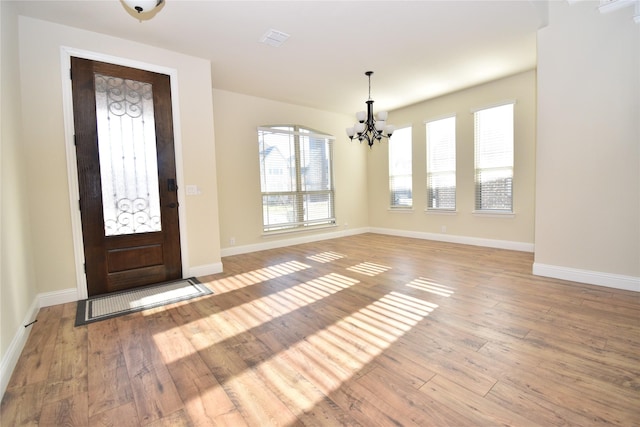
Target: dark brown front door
x=126, y=176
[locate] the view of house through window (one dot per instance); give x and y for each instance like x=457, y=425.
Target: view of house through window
x=400, y=170
x=494, y=158
x=295, y=177
x=441, y=163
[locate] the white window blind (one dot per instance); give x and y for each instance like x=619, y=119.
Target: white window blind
x=441, y=163
x=400, y=169
x=494, y=158
x=296, y=177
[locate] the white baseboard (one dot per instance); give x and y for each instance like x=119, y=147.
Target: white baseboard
x=205, y=270
x=617, y=281
x=464, y=240
x=491, y=243
x=10, y=359
x=583, y=276
x=283, y=242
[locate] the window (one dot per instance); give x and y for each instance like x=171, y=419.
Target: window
x=441, y=163
x=494, y=158
x=400, y=179
x=295, y=178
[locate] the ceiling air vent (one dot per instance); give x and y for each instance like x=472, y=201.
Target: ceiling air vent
x=274, y=38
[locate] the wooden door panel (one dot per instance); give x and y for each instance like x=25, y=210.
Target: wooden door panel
x=123, y=261
x=123, y=280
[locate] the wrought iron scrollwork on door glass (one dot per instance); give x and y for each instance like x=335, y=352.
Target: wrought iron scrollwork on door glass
x=128, y=158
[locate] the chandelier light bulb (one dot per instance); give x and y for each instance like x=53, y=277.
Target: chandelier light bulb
x=389, y=130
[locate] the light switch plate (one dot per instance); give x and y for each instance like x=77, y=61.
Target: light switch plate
x=192, y=190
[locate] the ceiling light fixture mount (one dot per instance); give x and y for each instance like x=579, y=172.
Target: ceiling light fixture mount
x=142, y=6
x=367, y=128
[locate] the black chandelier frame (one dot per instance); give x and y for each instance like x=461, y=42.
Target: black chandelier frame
x=370, y=132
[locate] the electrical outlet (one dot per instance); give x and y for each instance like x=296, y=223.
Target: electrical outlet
x=443, y=228
x=232, y=241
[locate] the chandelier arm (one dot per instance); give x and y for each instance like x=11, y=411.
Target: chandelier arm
x=368, y=138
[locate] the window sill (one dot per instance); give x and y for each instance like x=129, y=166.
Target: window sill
x=441, y=211
x=494, y=214
x=266, y=234
x=400, y=209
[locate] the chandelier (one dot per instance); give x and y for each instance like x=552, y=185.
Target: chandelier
x=367, y=128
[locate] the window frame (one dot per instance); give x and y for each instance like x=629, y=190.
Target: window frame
x=509, y=130
x=298, y=195
x=408, y=177
x=453, y=172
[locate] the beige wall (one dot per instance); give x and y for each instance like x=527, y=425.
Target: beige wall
x=44, y=143
x=463, y=226
x=588, y=186
x=17, y=279
x=237, y=119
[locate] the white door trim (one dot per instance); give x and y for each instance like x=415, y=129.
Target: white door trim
x=72, y=167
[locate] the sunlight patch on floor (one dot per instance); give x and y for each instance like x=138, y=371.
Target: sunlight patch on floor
x=399, y=303
x=241, y=318
x=324, y=257
x=254, y=277
x=286, y=382
x=431, y=286
x=333, y=355
x=369, y=268
x=331, y=346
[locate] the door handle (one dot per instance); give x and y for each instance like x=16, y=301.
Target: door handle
x=171, y=205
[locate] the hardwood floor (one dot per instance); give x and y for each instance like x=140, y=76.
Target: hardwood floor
x=368, y=330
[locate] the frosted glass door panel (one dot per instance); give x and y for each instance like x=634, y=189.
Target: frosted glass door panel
x=128, y=158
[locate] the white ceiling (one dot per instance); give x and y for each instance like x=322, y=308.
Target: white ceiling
x=417, y=49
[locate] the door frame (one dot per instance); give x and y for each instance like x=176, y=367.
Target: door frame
x=72, y=169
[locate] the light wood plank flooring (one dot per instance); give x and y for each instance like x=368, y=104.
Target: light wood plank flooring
x=368, y=330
